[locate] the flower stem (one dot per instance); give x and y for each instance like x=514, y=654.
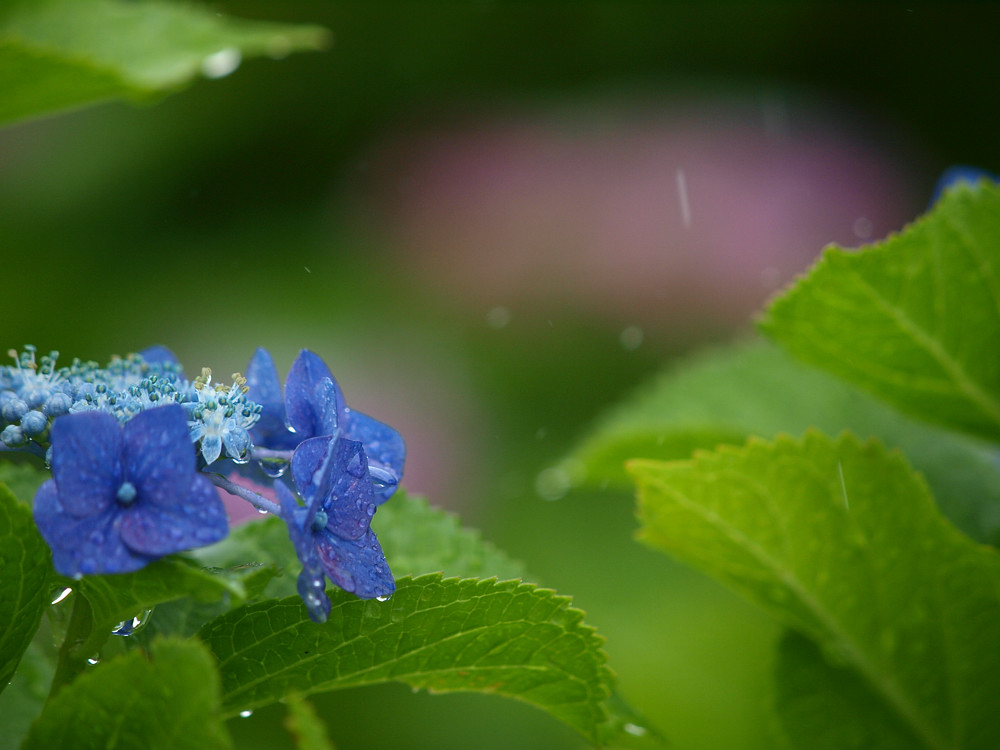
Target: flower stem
x=256, y=500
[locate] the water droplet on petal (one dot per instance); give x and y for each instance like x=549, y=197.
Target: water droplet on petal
x=385, y=598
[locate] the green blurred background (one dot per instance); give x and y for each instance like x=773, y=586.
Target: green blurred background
x=493, y=220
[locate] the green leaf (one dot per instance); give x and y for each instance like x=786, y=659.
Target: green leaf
x=841, y=541
x=58, y=54
x=23, y=699
x=304, y=725
x=827, y=706
x=914, y=319
x=442, y=635
x=23, y=480
x=167, y=700
x=726, y=395
x=25, y=567
x=419, y=539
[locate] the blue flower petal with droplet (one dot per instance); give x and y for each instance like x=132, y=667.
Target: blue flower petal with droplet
x=332, y=533
x=313, y=406
x=122, y=497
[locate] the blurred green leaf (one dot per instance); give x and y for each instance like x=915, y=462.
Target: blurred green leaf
x=23, y=480
x=24, y=697
x=824, y=706
x=442, y=635
x=726, y=395
x=419, y=539
x=841, y=540
x=118, y=598
x=166, y=700
x=304, y=725
x=58, y=54
x=911, y=319
x=25, y=567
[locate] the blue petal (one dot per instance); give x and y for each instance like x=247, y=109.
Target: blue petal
x=265, y=389
x=356, y=565
x=312, y=588
x=82, y=546
x=196, y=518
x=294, y=517
x=159, y=457
x=160, y=355
x=958, y=174
x=383, y=444
x=87, y=461
x=305, y=416
x=332, y=475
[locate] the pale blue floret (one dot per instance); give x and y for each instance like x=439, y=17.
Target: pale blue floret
x=33, y=392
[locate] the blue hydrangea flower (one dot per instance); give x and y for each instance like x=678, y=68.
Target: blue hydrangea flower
x=332, y=533
x=122, y=497
x=313, y=406
x=958, y=174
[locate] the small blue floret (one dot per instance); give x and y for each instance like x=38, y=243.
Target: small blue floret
x=121, y=497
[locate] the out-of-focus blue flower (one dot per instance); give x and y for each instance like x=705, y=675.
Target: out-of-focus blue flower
x=122, y=497
x=332, y=533
x=313, y=406
x=957, y=174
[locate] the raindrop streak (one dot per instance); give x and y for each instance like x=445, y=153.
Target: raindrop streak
x=843, y=485
x=682, y=190
x=62, y=595
x=222, y=63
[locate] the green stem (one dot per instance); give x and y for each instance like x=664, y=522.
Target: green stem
x=72, y=660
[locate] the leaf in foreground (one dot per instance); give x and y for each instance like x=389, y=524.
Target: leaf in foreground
x=25, y=567
x=841, y=541
x=441, y=635
x=914, y=319
x=57, y=54
x=167, y=700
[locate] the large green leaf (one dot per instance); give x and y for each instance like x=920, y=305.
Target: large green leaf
x=508, y=638
x=913, y=319
x=25, y=568
x=168, y=699
x=725, y=395
x=841, y=540
x=58, y=54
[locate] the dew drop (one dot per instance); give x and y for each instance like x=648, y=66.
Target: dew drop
x=221, y=63
x=133, y=624
x=62, y=595
x=635, y=730
x=273, y=467
x=95, y=659
x=262, y=511
x=631, y=338
x=246, y=714
x=552, y=483
x=385, y=598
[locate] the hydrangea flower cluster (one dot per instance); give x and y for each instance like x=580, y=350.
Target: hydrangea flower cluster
x=137, y=451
